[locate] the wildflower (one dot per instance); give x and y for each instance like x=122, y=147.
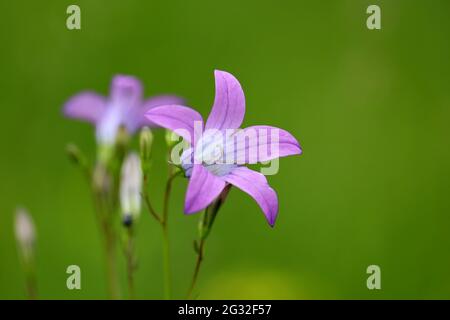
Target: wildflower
x=211, y=170
x=124, y=107
x=130, y=188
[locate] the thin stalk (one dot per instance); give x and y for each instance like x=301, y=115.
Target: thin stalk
x=172, y=175
x=111, y=270
x=104, y=204
x=198, y=263
x=166, y=264
x=206, y=223
x=130, y=257
x=165, y=230
x=163, y=221
x=109, y=243
x=147, y=202
x=31, y=283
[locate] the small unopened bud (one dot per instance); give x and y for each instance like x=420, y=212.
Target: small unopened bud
x=130, y=189
x=145, y=144
x=171, y=138
x=74, y=153
x=25, y=234
x=77, y=157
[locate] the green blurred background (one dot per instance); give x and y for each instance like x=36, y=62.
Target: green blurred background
x=370, y=108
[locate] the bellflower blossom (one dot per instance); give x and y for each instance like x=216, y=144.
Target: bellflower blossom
x=207, y=163
x=125, y=106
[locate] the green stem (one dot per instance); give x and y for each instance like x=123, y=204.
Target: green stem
x=31, y=283
x=165, y=230
x=105, y=209
x=130, y=263
x=109, y=243
x=105, y=205
x=166, y=257
x=206, y=223
x=147, y=202
x=163, y=221
x=200, y=253
x=111, y=270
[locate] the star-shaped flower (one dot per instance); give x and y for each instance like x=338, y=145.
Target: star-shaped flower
x=217, y=157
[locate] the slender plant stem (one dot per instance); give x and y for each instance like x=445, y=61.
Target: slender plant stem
x=206, y=223
x=147, y=202
x=167, y=195
x=198, y=263
x=109, y=243
x=113, y=284
x=31, y=283
x=31, y=288
x=165, y=230
x=105, y=205
x=129, y=252
x=163, y=221
x=166, y=257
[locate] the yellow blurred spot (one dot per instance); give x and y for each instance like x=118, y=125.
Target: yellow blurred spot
x=252, y=284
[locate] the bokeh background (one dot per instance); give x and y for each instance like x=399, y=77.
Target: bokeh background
x=370, y=108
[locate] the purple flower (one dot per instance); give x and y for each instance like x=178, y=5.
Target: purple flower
x=216, y=158
x=124, y=107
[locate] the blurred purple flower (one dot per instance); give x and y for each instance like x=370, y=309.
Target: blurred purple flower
x=125, y=106
x=208, y=180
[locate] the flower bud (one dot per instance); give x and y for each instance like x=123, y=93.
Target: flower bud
x=77, y=157
x=74, y=153
x=25, y=234
x=171, y=138
x=145, y=144
x=130, y=189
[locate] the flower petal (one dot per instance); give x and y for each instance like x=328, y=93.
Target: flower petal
x=108, y=125
x=126, y=92
x=260, y=143
x=177, y=118
x=203, y=188
x=137, y=119
x=124, y=102
x=162, y=100
x=229, y=104
x=255, y=184
x=87, y=106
